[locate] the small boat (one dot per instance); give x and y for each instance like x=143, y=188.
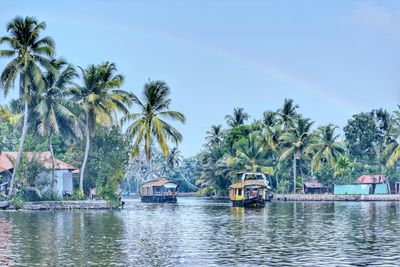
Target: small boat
x=160, y=190
x=251, y=191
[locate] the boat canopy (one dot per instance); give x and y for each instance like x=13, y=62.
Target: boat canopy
x=248, y=183
x=170, y=185
x=161, y=182
x=253, y=176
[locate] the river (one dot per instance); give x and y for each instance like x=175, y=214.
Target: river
x=201, y=232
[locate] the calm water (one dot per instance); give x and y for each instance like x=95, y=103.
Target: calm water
x=199, y=232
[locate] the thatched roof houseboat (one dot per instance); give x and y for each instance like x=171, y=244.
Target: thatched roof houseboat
x=160, y=190
x=251, y=191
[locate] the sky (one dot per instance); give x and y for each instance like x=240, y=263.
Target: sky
x=334, y=58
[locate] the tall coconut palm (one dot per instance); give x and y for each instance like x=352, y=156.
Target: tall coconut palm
x=272, y=130
x=326, y=147
x=237, y=118
x=215, y=135
x=287, y=114
x=250, y=156
x=172, y=164
x=29, y=52
x=149, y=123
x=100, y=98
x=392, y=147
x=172, y=161
x=56, y=111
x=213, y=177
x=294, y=142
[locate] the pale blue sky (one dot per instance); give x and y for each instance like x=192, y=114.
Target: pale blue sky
x=334, y=58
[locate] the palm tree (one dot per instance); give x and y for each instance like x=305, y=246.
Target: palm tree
x=172, y=164
x=238, y=117
x=54, y=109
x=149, y=123
x=28, y=52
x=287, y=114
x=343, y=167
x=214, y=176
x=172, y=161
x=100, y=99
x=294, y=142
x=250, y=156
x=272, y=130
x=215, y=136
x=326, y=147
x=391, y=152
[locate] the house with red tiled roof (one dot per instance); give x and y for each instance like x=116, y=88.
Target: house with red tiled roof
x=371, y=179
x=63, y=171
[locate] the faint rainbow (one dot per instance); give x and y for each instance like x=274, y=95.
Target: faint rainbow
x=229, y=54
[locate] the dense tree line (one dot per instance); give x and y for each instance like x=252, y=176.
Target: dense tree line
x=291, y=150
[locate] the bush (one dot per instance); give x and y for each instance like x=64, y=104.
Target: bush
x=77, y=195
x=107, y=192
x=18, y=202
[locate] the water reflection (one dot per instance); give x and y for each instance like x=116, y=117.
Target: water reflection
x=200, y=232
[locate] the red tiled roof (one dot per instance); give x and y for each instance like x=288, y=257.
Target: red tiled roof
x=371, y=179
x=7, y=160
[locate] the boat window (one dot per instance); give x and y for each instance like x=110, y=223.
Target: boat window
x=240, y=191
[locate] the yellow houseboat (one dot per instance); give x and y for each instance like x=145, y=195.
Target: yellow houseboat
x=251, y=191
x=161, y=190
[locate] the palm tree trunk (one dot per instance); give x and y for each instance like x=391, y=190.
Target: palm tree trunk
x=129, y=188
x=187, y=181
x=86, y=155
x=50, y=142
x=294, y=173
x=301, y=173
x=20, y=148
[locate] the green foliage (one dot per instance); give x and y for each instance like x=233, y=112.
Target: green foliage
x=109, y=157
x=234, y=134
x=28, y=173
x=77, y=195
x=282, y=187
x=362, y=132
x=149, y=124
x=18, y=202
x=237, y=118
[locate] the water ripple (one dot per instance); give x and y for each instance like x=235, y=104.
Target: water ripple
x=199, y=232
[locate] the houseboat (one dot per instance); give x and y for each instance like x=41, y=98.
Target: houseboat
x=251, y=191
x=161, y=190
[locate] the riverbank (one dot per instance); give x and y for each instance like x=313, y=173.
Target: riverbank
x=331, y=197
x=60, y=205
x=324, y=197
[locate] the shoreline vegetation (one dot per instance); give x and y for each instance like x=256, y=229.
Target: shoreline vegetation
x=118, y=140
x=107, y=205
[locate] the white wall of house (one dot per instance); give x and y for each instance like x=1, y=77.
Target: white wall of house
x=63, y=181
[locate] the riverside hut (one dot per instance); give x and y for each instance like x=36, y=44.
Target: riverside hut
x=314, y=187
x=160, y=190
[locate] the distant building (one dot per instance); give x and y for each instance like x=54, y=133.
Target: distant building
x=315, y=187
x=371, y=179
x=63, y=171
x=365, y=185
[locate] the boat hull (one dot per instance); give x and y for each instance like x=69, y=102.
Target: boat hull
x=159, y=199
x=252, y=203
